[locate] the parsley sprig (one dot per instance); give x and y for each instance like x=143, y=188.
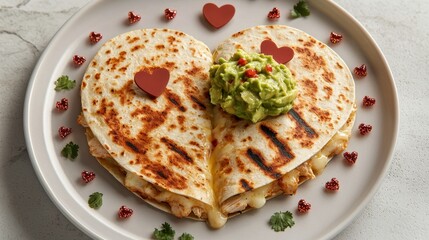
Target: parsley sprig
x=64, y=83
x=70, y=151
x=279, y=221
x=95, y=200
x=300, y=9
x=186, y=236
x=166, y=232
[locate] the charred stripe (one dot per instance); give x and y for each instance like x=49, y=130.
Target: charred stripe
x=283, y=148
x=132, y=146
x=195, y=100
x=309, y=130
x=245, y=185
x=174, y=147
x=161, y=174
x=174, y=101
x=257, y=158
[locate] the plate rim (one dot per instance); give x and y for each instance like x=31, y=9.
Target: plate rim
x=97, y=234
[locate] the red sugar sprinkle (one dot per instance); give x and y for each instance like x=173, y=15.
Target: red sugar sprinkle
x=78, y=60
x=274, y=14
x=303, y=206
x=87, y=176
x=364, y=129
x=333, y=185
x=335, y=37
x=125, y=212
x=169, y=13
x=62, y=105
x=351, y=157
x=133, y=17
x=95, y=37
x=368, y=101
x=64, y=132
x=361, y=71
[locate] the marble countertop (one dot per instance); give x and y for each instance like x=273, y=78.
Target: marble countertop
x=397, y=211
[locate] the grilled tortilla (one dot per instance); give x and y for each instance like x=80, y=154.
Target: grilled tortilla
x=186, y=157
x=158, y=148
x=254, y=162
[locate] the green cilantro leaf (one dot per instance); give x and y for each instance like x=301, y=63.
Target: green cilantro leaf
x=64, y=83
x=95, y=200
x=70, y=151
x=166, y=232
x=300, y=9
x=186, y=236
x=279, y=221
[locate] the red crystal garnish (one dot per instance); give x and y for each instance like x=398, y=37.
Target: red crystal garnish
x=364, y=129
x=368, y=101
x=64, y=131
x=170, y=13
x=274, y=14
x=333, y=185
x=268, y=68
x=95, y=37
x=125, y=212
x=351, y=157
x=62, y=105
x=361, y=71
x=133, y=17
x=88, y=176
x=335, y=37
x=251, y=73
x=242, y=61
x=78, y=60
x=303, y=206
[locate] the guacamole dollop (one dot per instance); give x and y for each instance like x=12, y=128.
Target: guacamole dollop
x=252, y=86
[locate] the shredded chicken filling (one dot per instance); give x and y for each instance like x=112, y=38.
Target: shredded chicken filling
x=182, y=206
x=288, y=183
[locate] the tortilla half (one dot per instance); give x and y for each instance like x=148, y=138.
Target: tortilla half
x=254, y=162
x=158, y=148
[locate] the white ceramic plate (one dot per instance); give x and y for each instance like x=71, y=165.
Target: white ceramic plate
x=330, y=213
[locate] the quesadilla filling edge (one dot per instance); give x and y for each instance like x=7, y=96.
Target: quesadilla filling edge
x=182, y=206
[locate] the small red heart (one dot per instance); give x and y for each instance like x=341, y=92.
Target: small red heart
x=152, y=81
x=281, y=55
x=218, y=16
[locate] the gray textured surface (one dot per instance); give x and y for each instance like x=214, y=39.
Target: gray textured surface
x=398, y=210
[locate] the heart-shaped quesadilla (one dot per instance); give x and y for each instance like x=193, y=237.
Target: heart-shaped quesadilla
x=188, y=157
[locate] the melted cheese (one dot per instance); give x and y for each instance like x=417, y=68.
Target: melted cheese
x=289, y=183
x=182, y=206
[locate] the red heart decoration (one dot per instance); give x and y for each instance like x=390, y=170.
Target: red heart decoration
x=218, y=16
x=281, y=55
x=152, y=81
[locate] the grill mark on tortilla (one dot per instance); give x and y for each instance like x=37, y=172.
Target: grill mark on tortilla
x=164, y=176
x=323, y=115
x=309, y=59
x=328, y=76
x=174, y=147
x=308, y=129
x=175, y=100
x=256, y=157
x=114, y=62
x=245, y=185
x=132, y=146
x=282, y=147
x=198, y=102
